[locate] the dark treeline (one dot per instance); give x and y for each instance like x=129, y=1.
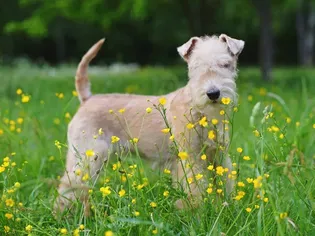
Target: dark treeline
x=277, y=32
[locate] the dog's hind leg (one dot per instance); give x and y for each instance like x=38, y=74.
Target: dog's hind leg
x=82, y=169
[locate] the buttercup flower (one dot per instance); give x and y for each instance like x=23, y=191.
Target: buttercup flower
x=239, y=150
x=122, y=193
x=183, y=155
x=226, y=101
x=203, y=122
x=28, y=228
x=190, y=126
x=162, y=101
x=122, y=110
x=105, y=191
x=153, y=204
x=148, y=110
x=165, y=131
x=89, y=153
x=166, y=193
x=211, y=135
x=246, y=158
x=115, y=139
x=248, y=209
x=214, y=121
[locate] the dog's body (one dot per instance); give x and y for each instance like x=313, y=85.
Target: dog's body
x=212, y=70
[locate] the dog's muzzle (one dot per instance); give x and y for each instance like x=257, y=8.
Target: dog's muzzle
x=213, y=94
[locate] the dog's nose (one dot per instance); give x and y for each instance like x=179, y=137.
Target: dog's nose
x=213, y=94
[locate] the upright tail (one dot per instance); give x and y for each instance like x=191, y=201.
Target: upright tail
x=82, y=83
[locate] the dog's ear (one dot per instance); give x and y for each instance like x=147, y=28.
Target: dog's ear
x=186, y=49
x=234, y=45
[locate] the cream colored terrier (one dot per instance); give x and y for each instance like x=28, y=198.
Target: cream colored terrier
x=212, y=70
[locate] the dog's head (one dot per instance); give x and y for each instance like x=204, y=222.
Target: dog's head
x=212, y=63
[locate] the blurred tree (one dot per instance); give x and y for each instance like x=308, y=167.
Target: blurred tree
x=266, y=37
x=305, y=26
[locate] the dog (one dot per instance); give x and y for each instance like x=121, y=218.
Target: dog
x=118, y=118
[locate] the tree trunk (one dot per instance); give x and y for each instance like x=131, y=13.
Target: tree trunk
x=305, y=26
x=266, y=37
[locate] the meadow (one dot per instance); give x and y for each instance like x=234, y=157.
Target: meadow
x=272, y=148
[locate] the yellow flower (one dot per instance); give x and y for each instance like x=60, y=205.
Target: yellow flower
x=288, y=120
x=281, y=136
x=2, y=169
x=116, y=166
x=78, y=172
x=122, y=193
x=1, y=132
x=256, y=133
x=198, y=176
x=239, y=150
x=283, y=215
x=162, y=101
x=240, y=184
x=183, y=155
x=135, y=140
x=6, y=229
x=172, y=137
x=122, y=111
x=257, y=182
x=136, y=213
x=85, y=177
x=89, y=153
x=219, y=170
x=203, y=122
x=165, y=131
x=275, y=128
x=19, y=120
x=155, y=231
x=9, y=202
x=203, y=157
x=153, y=204
x=17, y=185
x=190, y=126
x=214, y=121
x=246, y=158
x=110, y=111
x=249, y=180
x=167, y=171
x=115, y=139
x=222, y=112
x=226, y=101
x=190, y=180
x=105, y=191
x=133, y=201
x=313, y=126
x=209, y=190
x=211, y=135
x=19, y=91
x=166, y=193
x=8, y=216
x=219, y=191
x=63, y=231
x=25, y=98
x=210, y=167
x=109, y=233
x=76, y=232
x=248, y=209
x=74, y=93
x=256, y=206
x=266, y=199
x=28, y=228
x=148, y=110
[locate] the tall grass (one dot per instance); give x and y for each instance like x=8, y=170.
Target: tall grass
x=273, y=127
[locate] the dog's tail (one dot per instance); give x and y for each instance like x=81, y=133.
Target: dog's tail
x=82, y=83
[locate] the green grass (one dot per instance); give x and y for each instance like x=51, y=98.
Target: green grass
x=289, y=162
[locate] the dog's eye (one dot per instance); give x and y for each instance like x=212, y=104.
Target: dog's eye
x=225, y=65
